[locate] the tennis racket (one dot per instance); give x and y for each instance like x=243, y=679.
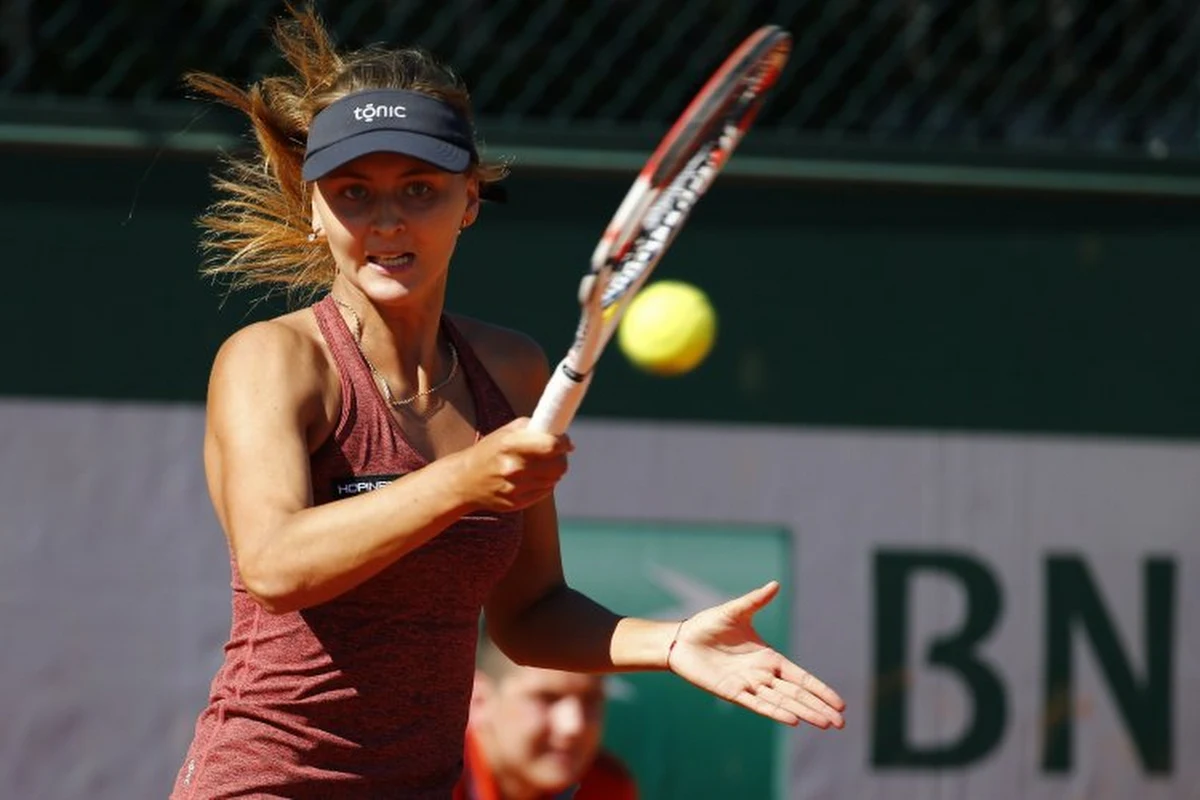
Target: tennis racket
x=677, y=174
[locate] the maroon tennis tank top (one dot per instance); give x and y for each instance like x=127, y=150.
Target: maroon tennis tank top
x=364, y=696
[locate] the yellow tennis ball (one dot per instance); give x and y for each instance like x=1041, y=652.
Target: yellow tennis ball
x=668, y=329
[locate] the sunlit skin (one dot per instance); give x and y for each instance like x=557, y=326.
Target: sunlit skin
x=392, y=223
x=539, y=729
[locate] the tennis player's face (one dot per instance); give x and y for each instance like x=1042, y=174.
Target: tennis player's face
x=392, y=223
x=545, y=727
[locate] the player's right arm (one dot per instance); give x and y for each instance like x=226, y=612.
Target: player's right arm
x=268, y=407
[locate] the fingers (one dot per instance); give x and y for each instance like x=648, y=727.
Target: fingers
x=753, y=601
x=521, y=439
x=775, y=705
x=810, y=683
x=549, y=467
x=785, y=702
x=794, y=696
x=764, y=706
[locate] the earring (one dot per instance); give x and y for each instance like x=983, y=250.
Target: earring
x=312, y=237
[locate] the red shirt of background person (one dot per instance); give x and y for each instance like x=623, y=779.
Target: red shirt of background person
x=534, y=734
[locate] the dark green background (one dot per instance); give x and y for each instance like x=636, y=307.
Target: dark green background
x=839, y=305
x=665, y=722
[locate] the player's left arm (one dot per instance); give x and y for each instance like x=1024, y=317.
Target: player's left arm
x=532, y=614
x=538, y=620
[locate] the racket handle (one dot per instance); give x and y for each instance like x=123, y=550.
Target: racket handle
x=560, y=400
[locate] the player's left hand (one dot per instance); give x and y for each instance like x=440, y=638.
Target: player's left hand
x=719, y=651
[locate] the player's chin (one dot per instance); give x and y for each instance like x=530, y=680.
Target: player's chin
x=389, y=289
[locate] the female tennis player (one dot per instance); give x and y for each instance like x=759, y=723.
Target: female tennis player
x=370, y=460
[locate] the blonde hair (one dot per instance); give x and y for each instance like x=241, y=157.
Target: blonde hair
x=256, y=233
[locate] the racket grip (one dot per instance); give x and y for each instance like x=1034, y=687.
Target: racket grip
x=560, y=400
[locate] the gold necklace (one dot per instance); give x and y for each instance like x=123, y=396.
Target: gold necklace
x=387, y=389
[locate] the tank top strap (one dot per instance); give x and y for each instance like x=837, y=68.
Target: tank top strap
x=492, y=409
x=356, y=377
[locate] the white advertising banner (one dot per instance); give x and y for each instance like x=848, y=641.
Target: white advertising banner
x=1006, y=616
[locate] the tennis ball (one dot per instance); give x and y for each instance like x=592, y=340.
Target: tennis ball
x=668, y=329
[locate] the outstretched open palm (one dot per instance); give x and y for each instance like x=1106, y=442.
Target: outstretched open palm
x=719, y=651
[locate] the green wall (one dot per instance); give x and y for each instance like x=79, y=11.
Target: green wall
x=654, y=721
x=839, y=305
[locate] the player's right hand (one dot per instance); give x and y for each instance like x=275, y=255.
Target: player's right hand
x=512, y=467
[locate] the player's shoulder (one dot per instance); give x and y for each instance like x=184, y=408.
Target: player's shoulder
x=515, y=360
x=288, y=336
x=287, y=346
x=489, y=339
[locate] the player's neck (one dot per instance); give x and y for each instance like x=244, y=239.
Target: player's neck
x=403, y=341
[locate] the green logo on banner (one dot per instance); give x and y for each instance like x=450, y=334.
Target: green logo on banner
x=680, y=741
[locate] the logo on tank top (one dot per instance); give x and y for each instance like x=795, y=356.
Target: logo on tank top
x=348, y=487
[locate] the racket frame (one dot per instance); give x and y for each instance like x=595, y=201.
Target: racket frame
x=639, y=233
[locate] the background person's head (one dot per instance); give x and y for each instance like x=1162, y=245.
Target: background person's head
x=538, y=729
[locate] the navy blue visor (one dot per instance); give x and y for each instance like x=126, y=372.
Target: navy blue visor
x=388, y=121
